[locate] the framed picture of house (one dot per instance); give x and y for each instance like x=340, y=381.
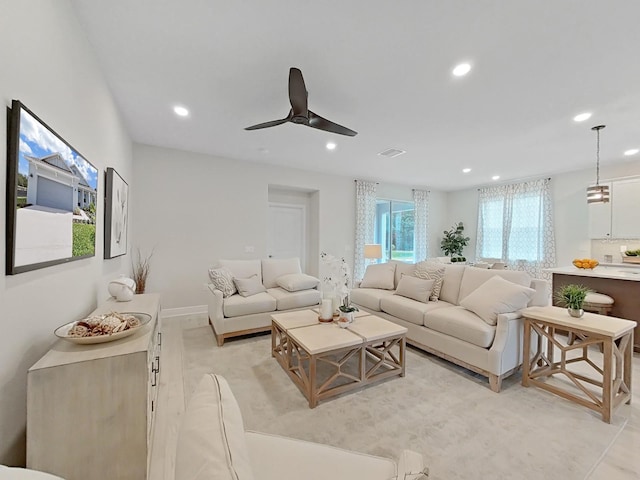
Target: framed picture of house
x=52, y=193
x=116, y=207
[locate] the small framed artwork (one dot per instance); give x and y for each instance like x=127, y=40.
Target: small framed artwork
x=116, y=217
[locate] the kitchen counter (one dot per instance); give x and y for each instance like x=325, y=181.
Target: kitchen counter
x=611, y=270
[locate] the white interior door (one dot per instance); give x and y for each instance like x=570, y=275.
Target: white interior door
x=286, y=237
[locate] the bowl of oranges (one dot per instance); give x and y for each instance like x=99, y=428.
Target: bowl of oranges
x=586, y=263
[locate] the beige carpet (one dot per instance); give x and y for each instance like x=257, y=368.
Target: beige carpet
x=463, y=429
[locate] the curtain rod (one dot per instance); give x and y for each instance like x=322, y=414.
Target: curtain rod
x=377, y=183
x=524, y=181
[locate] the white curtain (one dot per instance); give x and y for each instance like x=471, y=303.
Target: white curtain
x=515, y=223
x=421, y=224
x=365, y=223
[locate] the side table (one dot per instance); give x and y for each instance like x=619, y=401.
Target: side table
x=613, y=335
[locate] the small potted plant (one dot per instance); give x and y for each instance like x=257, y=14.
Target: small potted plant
x=572, y=296
x=453, y=242
x=346, y=312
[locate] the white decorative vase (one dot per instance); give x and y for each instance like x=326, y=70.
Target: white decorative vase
x=122, y=289
x=345, y=319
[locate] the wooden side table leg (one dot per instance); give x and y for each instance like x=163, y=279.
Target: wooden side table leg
x=628, y=365
x=607, y=381
x=526, y=358
x=551, y=333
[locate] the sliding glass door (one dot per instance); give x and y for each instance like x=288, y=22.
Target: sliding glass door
x=394, y=229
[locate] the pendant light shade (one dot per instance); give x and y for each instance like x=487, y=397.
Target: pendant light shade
x=598, y=193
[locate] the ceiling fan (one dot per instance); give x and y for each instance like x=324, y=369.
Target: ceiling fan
x=299, y=112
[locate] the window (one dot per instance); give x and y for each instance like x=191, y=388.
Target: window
x=515, y=223
x=394, y=229
x=523, y=239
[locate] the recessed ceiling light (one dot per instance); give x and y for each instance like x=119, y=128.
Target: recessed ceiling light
x=461, y=70
x=331, y=146
x=495, y=177
x=466, y=170
x=582, y=117
x=633, y=151
x=181, y=111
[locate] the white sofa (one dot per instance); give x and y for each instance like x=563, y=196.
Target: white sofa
x=213, y=444
x=447, y=329
x=236, y=315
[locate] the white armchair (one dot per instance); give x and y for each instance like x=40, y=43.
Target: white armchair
x=15, y=473
x=212, y=443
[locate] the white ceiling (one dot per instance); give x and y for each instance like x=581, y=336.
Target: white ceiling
x=382, y=68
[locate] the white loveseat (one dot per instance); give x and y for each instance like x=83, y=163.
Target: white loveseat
x=213, y=444
x=284, y=288
x=453, y=332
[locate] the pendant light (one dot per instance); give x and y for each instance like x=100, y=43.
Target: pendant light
x=598, y=193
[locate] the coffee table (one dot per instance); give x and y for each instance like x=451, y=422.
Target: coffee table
x=609, y=382
x=324, y=360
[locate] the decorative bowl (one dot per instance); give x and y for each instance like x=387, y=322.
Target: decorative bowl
x=586, y=263
x=63, y=331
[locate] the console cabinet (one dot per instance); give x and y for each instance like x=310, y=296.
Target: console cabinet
x=90, y=408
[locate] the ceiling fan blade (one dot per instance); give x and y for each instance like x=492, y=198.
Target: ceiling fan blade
x=272, y=123
x=316, y=121
x=297, y=93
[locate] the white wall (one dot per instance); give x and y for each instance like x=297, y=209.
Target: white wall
x=569, y=206
x=193, y=209
x=47, y=63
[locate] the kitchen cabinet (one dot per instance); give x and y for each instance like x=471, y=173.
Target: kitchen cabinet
x=625, y=209
x=620, y=218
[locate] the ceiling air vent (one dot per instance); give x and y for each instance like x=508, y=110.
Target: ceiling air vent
x=391, y=152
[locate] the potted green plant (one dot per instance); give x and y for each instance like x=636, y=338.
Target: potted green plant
x=453, y=242
x=572, y=296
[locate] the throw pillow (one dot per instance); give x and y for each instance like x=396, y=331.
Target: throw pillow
x=222, y=279
x=431, y=271
x=414, y=288
x=272, y=268
x=249, y=286
x=496, y=296
x=379, y=275
x=294, y=282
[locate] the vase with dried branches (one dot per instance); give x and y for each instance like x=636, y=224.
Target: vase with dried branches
x=140, y=269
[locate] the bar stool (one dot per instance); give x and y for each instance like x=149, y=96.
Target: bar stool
x=596, y=303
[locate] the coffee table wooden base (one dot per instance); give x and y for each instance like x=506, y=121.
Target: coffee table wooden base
x=336, y=371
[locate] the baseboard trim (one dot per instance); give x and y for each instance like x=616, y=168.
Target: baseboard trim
x=184, y=311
